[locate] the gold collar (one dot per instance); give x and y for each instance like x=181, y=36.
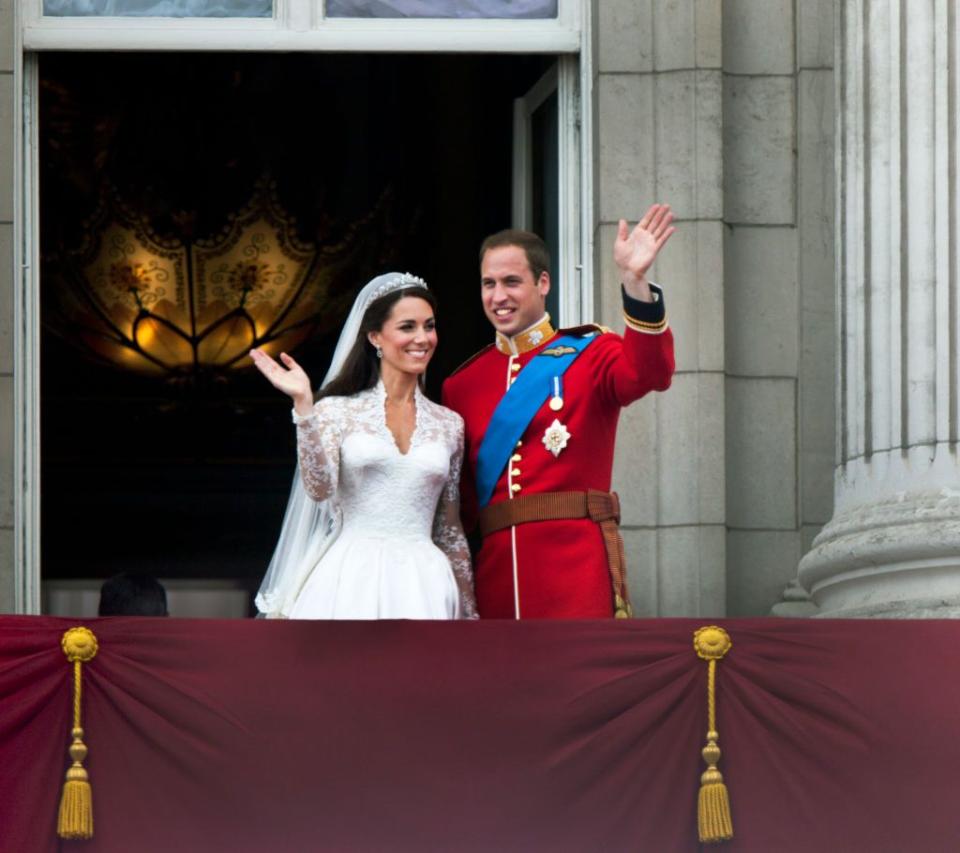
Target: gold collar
x=528, y=339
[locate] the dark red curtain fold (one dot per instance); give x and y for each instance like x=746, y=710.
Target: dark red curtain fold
x=561, y=736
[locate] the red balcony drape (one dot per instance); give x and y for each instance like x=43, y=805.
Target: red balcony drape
x=557, y=736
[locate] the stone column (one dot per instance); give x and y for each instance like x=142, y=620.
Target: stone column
x=892, y=547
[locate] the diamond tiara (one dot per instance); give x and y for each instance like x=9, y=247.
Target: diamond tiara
x=404, y=280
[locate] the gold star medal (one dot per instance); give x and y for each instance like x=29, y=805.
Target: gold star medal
x=556, y=437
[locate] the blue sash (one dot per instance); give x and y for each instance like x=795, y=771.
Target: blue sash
x=517, y=407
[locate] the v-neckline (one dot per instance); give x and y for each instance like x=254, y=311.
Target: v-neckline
x=386, y=427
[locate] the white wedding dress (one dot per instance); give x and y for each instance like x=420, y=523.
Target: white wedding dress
x=400, y=552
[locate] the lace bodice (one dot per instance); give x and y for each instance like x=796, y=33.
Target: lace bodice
x=349, y=457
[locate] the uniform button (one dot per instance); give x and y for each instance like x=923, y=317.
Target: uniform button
x=520, y=443
x=515, y=487
x=515, y=472
x=515, y=458
x=515, y=367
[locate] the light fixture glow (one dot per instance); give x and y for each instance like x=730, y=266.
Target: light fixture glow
x=165, y=306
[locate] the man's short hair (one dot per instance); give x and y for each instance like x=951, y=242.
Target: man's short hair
x=129, y=594
x=538, y=255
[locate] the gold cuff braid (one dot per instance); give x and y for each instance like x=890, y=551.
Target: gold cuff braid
x=643, y=326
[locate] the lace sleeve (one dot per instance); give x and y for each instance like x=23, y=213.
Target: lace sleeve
x=448, y=532
x=318, y=449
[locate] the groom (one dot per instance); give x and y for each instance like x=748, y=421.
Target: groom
x=541, y=410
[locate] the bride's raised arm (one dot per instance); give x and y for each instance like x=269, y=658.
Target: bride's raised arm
x=318, y=428
x=448, y=531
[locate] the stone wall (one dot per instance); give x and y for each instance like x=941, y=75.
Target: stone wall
x=780, y=305
x=726, y=111
x=658, y=119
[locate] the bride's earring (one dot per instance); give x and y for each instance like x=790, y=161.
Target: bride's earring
x=379, y=353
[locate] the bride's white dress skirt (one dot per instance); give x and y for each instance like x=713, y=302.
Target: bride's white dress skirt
x=370, y=577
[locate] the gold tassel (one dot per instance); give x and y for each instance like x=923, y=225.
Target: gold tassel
x=714, y=822
x=75, y=820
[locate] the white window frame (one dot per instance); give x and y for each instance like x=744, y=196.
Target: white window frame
x=296, y=25
x=300, y=25
x=26, y=331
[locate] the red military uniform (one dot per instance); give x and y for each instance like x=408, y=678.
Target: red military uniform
x=556, y=568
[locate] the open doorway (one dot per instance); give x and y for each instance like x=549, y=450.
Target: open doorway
x=184, y=474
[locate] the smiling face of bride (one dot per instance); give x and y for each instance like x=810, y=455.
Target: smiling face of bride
x=408, y=337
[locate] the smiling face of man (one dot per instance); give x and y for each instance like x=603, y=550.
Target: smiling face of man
x=513, y=299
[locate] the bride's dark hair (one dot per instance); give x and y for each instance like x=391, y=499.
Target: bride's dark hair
x=361, y=368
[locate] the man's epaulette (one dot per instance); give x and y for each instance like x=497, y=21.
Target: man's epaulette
x=585, y=329
x=471, y=360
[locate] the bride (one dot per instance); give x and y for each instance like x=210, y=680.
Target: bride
x=372, y=530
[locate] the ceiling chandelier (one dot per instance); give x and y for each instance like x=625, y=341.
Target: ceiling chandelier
x=178, y=307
